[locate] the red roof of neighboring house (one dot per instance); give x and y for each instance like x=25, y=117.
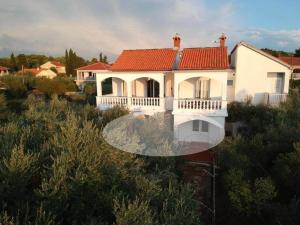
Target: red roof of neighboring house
x=145, y=60
x=96, y=66
x=204, y=58
x=34, y=71
x=57, y=64
x=293, y=61
x=3, y=68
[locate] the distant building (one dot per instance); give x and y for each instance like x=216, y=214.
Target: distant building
x=3, y=70
x=87, y=73
x=54, y=64
x=38, y=72
x=294, y=62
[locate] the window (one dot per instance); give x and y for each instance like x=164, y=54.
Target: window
x=229, y=82
x=204, y=127
x=275, y=81
x=199, y=125
x=196, y=125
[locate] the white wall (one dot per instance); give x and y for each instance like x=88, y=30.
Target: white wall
x=46, y=73
x=251, y=74
x=186, y=81
x=231, y=89
x=183, y=125
x=139, y=87
x=169, y=83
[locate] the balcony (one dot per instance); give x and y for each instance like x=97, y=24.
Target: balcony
x=145, y=104
x=275, y=99
x=152, y=104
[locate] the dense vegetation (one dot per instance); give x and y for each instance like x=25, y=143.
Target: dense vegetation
x=259, y=177
x=277, y=53
x=55, y=168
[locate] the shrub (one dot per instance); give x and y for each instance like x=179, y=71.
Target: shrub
x=15, y=86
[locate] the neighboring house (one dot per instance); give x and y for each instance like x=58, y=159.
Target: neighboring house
x=54, y=64
x=87, y=73
x=294, y=62
x=193, y=84
x=38, y=72
x=3, y=70
x=257, y=75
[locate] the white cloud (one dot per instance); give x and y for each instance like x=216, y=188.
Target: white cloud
x=110, y=26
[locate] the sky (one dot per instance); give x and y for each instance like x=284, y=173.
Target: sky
x=109, y=26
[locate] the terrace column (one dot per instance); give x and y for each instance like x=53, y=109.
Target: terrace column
x=162, y=92
x=99, y=88
x=224, y=93
x=129, y=92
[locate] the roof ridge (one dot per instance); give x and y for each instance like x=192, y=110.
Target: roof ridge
x=141, y=49
x=206, y=47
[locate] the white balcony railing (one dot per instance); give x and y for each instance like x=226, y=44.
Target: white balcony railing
x=142, y=101
x=110, y=101
x=199, y=104
x=276, y=99
x=162, y=104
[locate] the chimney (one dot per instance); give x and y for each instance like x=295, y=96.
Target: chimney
x=176, y=40
x=222, y=40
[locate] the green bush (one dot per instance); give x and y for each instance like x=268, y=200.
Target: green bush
x=58, y=85
x=15, y=86
x=55, y=168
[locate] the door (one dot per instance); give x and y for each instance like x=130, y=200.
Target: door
x=202, y=89
x=152, y=88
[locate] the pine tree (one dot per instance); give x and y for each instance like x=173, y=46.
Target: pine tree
x=22, y=61
x=100, y=57
x=13, y=63
x=297, y=52
x=105, y=59
x=67, y=62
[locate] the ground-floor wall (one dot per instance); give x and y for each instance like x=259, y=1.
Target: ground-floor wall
x=210, y=128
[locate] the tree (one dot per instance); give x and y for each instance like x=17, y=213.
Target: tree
x=67, y=64
x=103, y=58
x=22, y=61
x=94, y=60
x=55, y=168
x=13, y=63
x=297, y=52
x=73, y=62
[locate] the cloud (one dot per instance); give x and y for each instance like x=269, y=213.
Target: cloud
x=92, y=26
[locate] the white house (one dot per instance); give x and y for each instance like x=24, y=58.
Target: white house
x=54, y=64
x=3, y=70
x=87, y=74
x=190, y=84
x=193, y=84
x=257, y=75
x=40, y=72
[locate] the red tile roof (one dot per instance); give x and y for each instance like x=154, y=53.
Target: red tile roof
x=96, y=66
x=3, y=68
x=57, y=64
x=145, y=60
x=33, y=71
x=293, y=61
x=204, y=58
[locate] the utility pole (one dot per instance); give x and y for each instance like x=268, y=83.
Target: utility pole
x=213, y=193
x=212, y=174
